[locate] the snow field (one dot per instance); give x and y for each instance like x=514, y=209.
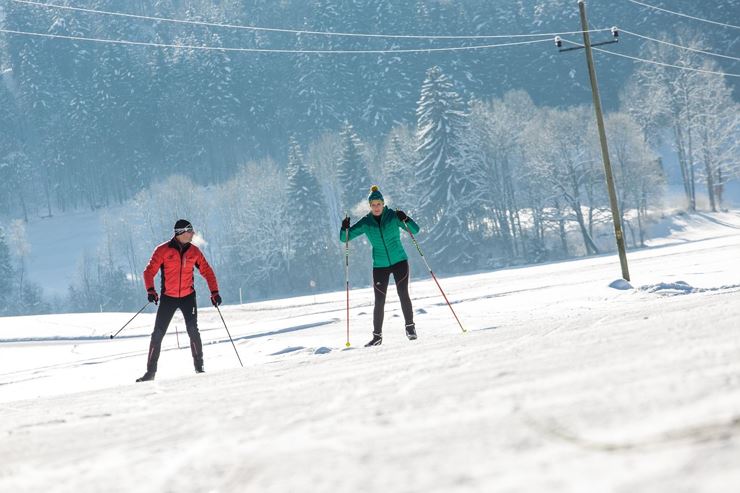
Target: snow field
x=561, y=384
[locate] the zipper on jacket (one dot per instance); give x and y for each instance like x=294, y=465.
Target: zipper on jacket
x=182, y=261
x=382, y=237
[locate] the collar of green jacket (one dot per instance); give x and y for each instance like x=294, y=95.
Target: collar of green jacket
x=383, y=215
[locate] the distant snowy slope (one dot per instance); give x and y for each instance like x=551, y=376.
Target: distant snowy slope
x=58, y=244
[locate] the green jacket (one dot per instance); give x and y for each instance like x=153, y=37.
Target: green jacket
x=384, y=237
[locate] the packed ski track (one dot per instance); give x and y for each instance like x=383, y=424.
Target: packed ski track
x=562, y=383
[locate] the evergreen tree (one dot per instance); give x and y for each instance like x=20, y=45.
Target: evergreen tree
x=6, y=275
x=399, y=157
x=354, y=180
x=441, y=176
x=309, y=255
x=16, y=170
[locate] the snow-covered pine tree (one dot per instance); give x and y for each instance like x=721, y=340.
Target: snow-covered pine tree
x=17, y=169
x=352, y=172
x=309, y=252
x=399, y=157
x=440, y=174
x=6, y=275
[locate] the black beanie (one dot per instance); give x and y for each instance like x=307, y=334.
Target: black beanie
x=183, y=226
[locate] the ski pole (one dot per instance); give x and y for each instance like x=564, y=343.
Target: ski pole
x=124, y=325
x=433, y=276
x=177, y=335
x=346, y=273
x=232, y=340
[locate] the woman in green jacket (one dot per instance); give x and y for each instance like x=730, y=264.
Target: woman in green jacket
x=382, y=227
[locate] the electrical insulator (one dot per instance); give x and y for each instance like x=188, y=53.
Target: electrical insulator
x=615, y=31
x=558, y=42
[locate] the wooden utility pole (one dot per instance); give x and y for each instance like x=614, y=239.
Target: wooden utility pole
x=616, y=217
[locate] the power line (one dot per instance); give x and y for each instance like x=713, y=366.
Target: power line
x=679, y=46
x=269, y=50
x=668, y=64
x=291, y=31
x=654, y=62
x=684, y=15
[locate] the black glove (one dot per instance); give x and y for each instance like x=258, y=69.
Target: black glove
x=345, y=223
x=152, y=296
x=215, y=298
x=402, y=216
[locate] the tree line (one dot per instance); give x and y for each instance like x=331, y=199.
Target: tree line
x=90, y=124
x=492, y=180
x=492, y=183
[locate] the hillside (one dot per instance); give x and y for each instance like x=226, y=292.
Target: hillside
x=95, y=109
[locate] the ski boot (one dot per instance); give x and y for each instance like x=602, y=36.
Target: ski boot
x=377, y=340
x=411, y=331
x=146, y=377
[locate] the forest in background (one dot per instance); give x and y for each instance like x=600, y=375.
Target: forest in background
x=265, y=154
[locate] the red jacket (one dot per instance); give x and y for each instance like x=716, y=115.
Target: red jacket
x=176, y=261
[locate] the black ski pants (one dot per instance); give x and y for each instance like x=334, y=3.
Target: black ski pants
x=381, y=276
x=167, y=307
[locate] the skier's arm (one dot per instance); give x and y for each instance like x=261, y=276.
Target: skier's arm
x=412, y=226
x=354, y=231
x=207, y=272
x=152, y=267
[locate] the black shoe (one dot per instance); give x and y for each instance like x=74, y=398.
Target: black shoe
x=146, y=377
x=376, y=341
x=411, y=331
x=199, y=370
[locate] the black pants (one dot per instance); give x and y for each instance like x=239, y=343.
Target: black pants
x=381, y=276
x=167, y=307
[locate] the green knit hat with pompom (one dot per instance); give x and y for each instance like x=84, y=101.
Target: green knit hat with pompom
x=375, y=194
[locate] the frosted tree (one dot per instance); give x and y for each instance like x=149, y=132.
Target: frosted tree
x=20, y=249
x=218, y=104
x=352, y=172
x=717, y=127
x=17, y=172
x=319, y=81
x=165, y=202
x=10, y=124
x=122, y=248
x=254, y=241
x=674, y=95
x=309, y=252
x=494, y=145
x=6, y=276
x=440, y=173
x=560, y=146
x=397, y=169
x=637, y=173
x=646, y=100
x=322, y=158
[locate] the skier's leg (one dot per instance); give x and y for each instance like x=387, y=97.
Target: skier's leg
x=401, y=275
x=189, y=309
x=380, y=283
x=381, y=277
x=166, y=310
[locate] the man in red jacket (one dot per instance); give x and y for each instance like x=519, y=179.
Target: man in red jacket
x=175, y=261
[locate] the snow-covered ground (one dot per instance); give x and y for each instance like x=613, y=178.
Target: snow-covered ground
x=562, y=383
